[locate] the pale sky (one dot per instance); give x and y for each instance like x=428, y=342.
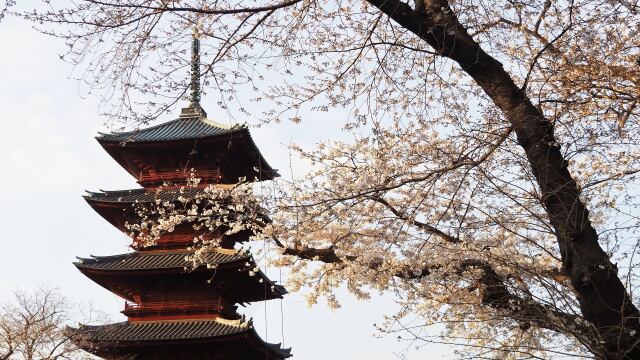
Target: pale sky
x=49, y=157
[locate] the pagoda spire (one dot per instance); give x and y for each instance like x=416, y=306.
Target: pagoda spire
x=194, y=109
x=195, y=71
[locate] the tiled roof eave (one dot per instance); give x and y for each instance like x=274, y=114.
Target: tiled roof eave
x=159, y=331
x=178, y=131
x=174, y=130
x=268, y=170
x=124, y=334
x=138, y=263
x=158, y=261
x=149, y=271
x=140, y=195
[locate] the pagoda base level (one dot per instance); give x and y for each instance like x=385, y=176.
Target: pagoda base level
x=177, y=340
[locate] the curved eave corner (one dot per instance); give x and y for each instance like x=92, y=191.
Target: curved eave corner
x=276, y=348
x=267, y=169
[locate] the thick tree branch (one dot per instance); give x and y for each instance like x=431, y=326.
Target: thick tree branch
x=426, y=227
x=327, y=255
x=199, y=10
x=611, y=177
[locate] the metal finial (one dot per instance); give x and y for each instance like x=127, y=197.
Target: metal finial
x=194, y=110
x=195, y=70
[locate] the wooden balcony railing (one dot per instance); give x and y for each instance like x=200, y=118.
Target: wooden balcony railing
x=206, y=175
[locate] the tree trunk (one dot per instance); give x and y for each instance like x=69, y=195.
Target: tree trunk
x=603, y=298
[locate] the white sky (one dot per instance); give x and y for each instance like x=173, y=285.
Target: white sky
x=49, y=157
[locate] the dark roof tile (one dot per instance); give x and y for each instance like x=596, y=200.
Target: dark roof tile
x=142, y=195
x=124, y=332
x=162, y=330
x=141, y=260
x=179, y=129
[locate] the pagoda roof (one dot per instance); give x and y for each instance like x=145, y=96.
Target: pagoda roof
x=183, y=132
x=178, y=129
x=162, y=330
x=119, y=334
x=141, y=195
x=145, y=260
x=165, y=262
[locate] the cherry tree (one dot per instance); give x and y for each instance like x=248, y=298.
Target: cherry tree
x=491, y=181
x=32, y=327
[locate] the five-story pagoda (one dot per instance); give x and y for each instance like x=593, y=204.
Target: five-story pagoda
x=176, y=311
